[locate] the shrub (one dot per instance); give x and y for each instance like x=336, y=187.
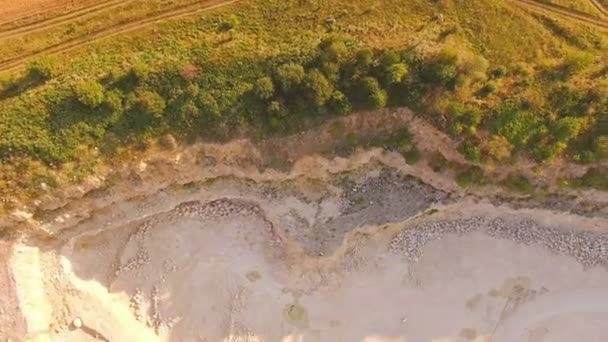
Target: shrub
x=290, y=76
x=472, y=176
x=151, y=103
x=230, y=23
x=516, y=125
x=594, y=178
x=577, y=62
x=264, y=88
x=566, y=128
x=42, y=69
x=499, y=148
x=471, y=151
x=600, y=147
x=518, y=183
x=113, y=101
x=90, y=93
x=499, y=71
x=413, y=156
x=488, y=88
x=442, y=70
x=371, y=94
x=332, y=50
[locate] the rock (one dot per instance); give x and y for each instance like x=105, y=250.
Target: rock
x=44, y=187
x=77, y=323
x=330, y=21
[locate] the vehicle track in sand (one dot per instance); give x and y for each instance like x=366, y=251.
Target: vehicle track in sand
x=60, y=20
x=188, y=10
x=564, y=12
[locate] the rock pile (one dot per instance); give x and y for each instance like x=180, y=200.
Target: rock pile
x=590, y=249
x=223, y=207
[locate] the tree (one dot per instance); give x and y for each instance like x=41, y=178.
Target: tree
x=332, y=50
x=151, y=103
x=42, y=69
x=90, y=93
x=389, y=57
x=264, y=88
x=442, y=70
x=364, y=59
x=499, y=148
x=319, y=89
x=339, y=103
x=290, y=76
x=208, y=105
x=371, y=94
x=395, y=73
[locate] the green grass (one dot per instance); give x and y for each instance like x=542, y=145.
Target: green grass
x=43, y=123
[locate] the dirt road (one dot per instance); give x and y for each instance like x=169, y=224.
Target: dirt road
x=12, y=323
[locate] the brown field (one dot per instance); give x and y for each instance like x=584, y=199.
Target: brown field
x=19, y=12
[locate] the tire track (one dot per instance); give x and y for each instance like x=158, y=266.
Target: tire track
x=599, y=7
x=63, y=19
x=33, y=16
x=188, y=10
x=565, y=12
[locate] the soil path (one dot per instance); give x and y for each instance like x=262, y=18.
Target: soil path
x=12, y=323
x=565, y=12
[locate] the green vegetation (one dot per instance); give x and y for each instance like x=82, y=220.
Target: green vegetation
x=275, y=67
x=518, y=183
x=470, y=177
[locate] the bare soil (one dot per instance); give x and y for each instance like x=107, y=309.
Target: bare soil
x=311, y=255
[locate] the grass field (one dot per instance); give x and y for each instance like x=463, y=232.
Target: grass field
x=505, y=51
x=585, y=6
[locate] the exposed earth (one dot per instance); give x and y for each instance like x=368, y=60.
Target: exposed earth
x=336, y=250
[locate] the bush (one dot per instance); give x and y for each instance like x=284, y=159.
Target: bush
x=516, y=125
x=42, y=69
x=566, y=129
x=332, y=50
x=371, y=94
x=442, y=70
x=319, y=89
x=338, y=103
x=90, y=93
x=471, y=151
x=364, y=59
x=151, y=103
x=577, y=62
x=594, y=178
x=471, y=177
x=600, y=147
x=230, y=23
x=488, y=88
x=290, y=76
x=413, y=156
x=499, y=71
x=499, y=148
x=518, y=183
x=264, y=88
x=389, y=58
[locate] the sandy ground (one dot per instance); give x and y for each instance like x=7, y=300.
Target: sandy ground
x=20, y=9
x=231, y=259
